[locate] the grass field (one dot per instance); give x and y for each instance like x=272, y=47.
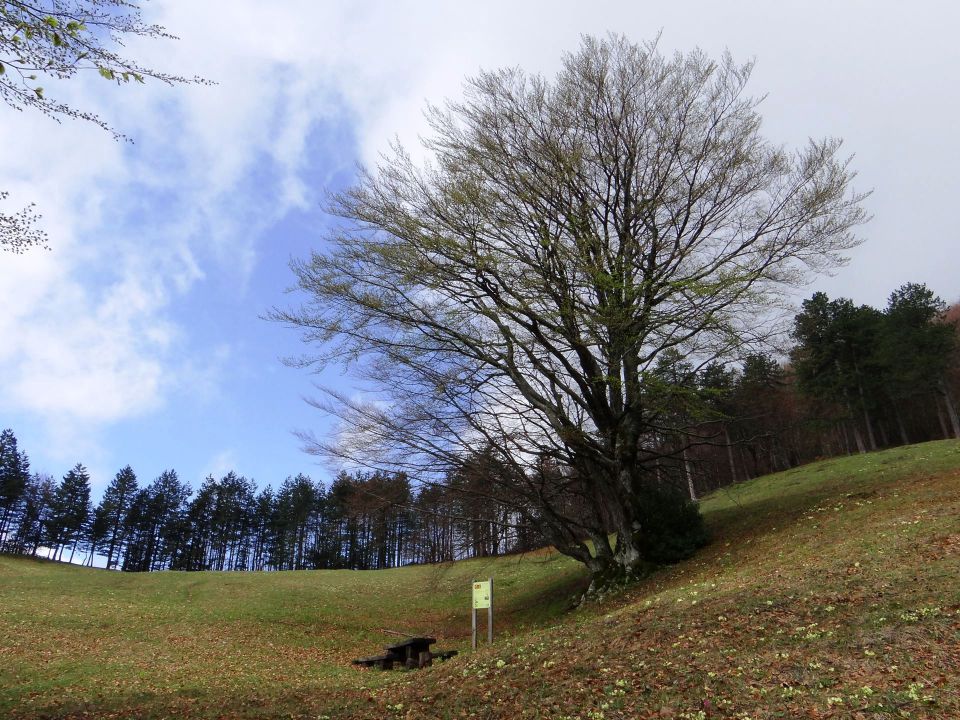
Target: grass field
x=831, y=590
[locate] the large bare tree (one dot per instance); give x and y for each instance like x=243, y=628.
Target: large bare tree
x=517, y=290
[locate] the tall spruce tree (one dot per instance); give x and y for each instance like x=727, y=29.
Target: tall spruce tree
x=37, y=504
x=916, y=348
x=14, y=474
x=836, y=359
x=155, y=524
x=114, y=506
x=70, y=510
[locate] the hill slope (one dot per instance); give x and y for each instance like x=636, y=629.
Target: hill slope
x=831, y=590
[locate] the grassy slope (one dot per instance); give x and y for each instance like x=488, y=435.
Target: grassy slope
x=831, y=590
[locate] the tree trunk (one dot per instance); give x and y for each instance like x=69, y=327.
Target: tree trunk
x=869, y=424
x=689, y=474
x=842, y=429
x=942, y=417
x=883, y=434
x=747, y=475
x=733, y=467
x=853, y=424
x=3, y=527
x=904, y=439
x=951, y=408
x=857, y=437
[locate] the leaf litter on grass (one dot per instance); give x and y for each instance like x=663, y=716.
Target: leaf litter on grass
x=829, y=591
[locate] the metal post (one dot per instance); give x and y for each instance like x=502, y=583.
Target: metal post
x=473, y=616
x=490, y=616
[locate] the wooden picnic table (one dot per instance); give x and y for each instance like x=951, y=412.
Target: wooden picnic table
x=414, y=652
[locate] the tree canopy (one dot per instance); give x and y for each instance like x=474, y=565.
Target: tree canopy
x=869, y=362
x=519, y=288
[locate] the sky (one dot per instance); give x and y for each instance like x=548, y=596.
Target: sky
x=139, y=339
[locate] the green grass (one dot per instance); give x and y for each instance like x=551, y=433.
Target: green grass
x=831, y=590
x=75, y=639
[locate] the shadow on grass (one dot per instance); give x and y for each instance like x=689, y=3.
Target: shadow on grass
x=192, y=702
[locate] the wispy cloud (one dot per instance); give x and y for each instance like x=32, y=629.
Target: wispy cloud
x=100, y=330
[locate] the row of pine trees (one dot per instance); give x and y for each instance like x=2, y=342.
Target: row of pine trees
x=362, y=521
x=855, y=379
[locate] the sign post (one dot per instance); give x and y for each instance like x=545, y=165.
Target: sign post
x=482, y=599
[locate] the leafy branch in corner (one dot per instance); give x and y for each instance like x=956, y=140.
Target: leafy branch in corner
x=42, y=40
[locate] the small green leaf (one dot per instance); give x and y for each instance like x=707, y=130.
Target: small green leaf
x=106, y=72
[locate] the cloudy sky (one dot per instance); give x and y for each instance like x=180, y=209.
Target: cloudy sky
x=137, y=339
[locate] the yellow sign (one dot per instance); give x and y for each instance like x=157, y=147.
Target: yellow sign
x=481, y=595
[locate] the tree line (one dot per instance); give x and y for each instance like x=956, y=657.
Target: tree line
x=362, y=521
x=855, y=379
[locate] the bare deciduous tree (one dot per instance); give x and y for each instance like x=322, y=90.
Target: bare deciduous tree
x=518, y=289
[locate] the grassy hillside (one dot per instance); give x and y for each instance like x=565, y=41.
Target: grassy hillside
x=831, y=590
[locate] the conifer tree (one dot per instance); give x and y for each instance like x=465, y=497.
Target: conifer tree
x=37, y=504
x=916, y=349
x=113, y=508
x=14, y=474
x=69, y=511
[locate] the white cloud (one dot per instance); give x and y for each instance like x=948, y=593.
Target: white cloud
x=220, y=464
x=89, y=330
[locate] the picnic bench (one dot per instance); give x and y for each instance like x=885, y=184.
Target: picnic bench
x=412, y=653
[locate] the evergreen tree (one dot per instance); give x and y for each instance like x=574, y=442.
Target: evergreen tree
x=155, y=524
x=837, y=359
x=230, y=521
x=262, y=528
x=674, y=401
x=70, y=509
x=37, y=504
x=168, y=499
x=716, y=388
x=98, y=529
x=916, y=348
x=198, y=530
x=14, y=474
x=760, y=403
x=112, y=511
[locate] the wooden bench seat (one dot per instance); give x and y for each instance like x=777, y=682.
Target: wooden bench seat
x=381, y=662
x=412, y=653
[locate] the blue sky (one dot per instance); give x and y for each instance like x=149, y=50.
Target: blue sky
x=138, y=339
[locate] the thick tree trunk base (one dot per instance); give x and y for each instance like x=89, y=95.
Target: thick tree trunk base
x=613, y=579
